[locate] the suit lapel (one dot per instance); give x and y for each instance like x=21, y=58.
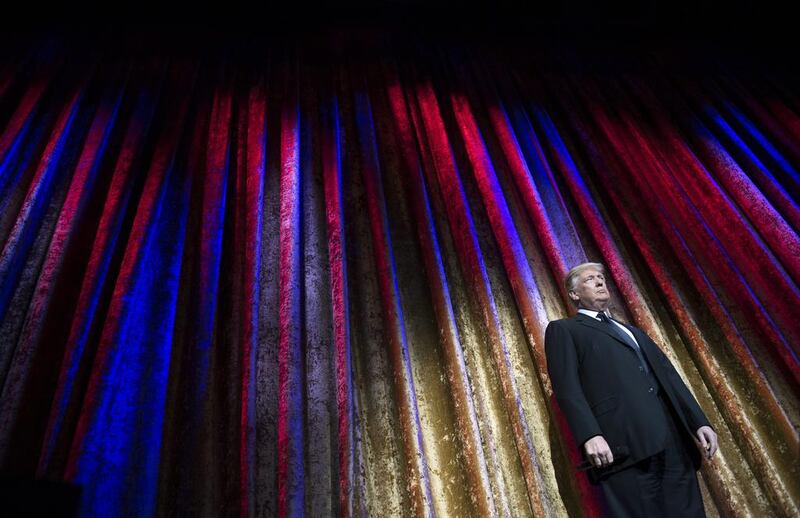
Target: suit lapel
x=603, y=328
x=645, y=344
x=642, y=339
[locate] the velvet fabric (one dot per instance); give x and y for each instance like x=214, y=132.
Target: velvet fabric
x=316, y=281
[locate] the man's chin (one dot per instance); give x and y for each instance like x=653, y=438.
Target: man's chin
x=601, y=305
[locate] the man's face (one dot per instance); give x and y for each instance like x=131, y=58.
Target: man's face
x=590, y=291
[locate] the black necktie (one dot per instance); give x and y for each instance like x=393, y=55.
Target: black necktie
x=623, y=336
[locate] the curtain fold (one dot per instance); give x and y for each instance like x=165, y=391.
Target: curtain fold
x=316, y=281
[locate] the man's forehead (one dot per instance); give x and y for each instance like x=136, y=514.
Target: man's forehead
x=589, y=272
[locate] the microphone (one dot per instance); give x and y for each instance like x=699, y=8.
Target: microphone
x=620, y=453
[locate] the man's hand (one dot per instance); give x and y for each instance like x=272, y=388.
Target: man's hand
x=707, y=439
x=599, y=453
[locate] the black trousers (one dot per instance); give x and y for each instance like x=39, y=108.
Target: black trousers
x=664, y=485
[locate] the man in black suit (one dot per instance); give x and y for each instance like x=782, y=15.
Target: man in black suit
x=621, y=395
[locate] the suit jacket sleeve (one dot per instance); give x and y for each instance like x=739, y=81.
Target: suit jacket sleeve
x=691, y=410
x=563, y=365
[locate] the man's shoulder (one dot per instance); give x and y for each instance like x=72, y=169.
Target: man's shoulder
x=560, y=332
x=568, y=321
x=562, y=324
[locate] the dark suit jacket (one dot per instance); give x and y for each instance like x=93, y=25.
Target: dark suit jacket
x=602, y=390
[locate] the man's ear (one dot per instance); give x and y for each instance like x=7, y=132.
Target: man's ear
x=573, y=296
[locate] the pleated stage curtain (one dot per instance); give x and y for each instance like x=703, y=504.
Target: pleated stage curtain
x=275, y=284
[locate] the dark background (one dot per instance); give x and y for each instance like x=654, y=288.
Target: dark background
x=743, y=34
x=608, y=19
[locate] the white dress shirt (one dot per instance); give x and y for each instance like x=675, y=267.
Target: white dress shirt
x=594, y=314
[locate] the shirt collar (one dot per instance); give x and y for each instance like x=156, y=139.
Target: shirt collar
x=592, y=313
